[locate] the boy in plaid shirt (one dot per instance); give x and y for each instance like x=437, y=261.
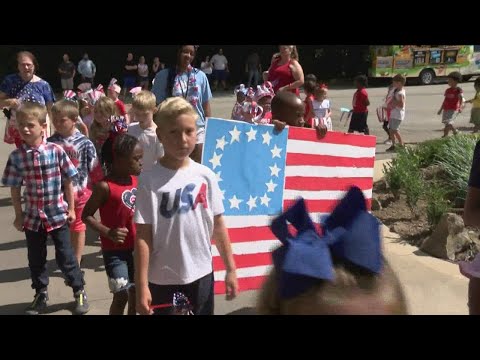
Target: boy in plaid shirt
x=82, y=153
x=46, y=172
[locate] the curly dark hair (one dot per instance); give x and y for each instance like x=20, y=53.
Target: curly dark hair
x=122, y=145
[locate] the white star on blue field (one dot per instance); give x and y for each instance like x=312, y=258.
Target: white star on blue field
x=249, y=162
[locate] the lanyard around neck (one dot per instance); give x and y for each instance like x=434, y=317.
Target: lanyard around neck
x=184, y=94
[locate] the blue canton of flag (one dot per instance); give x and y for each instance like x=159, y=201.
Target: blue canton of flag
x=249, y=161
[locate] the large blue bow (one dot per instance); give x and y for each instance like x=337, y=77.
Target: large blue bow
x=350, y=234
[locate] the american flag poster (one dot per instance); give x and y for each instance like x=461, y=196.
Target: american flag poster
x=262, y=172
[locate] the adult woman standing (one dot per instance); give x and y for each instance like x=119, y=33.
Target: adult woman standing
x=25, y=86
x=285, y=72
x=191, y=84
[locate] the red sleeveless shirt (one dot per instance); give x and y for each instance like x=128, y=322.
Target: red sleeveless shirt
x=281, y=75
x=118, y=211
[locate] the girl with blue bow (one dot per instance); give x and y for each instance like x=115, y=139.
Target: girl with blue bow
x=342, y=271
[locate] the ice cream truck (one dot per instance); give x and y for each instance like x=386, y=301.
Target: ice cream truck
x=424, y=62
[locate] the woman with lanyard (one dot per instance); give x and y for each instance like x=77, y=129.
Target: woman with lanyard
x=286, y=73
x=189, y=83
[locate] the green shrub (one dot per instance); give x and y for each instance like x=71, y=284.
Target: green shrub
x=428, y=150
x=402, y=173
x=414, y=187
x=393, y=178
x=455, y=157
x=437, y=203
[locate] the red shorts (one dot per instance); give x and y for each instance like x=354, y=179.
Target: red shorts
x=80, y=200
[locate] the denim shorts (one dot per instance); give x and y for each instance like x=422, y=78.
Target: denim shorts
x=449, y=116
x=119, y=269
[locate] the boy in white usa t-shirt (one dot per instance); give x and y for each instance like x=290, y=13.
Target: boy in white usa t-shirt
x=178, y=210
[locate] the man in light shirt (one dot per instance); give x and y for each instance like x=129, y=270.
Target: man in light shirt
x=87, y=69
x=220, y=69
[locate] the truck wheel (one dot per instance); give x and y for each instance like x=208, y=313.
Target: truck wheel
x=426, y=77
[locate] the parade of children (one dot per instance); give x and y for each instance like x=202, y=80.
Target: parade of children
x=396, y=109
x=47, y=175
x=452, y=104
x=128, y=177
x=358, y=122
x=114, y=198
x=173, y=244
x=475, y=101
x=321, y=107
x=384, y=112
x=309, y=89
x=114, y=91
x=144, y=129
x=81, y=152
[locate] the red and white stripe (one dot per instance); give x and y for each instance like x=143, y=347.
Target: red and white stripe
x=69, y=94
x=319, y=171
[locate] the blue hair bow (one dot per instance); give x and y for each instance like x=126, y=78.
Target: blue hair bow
x=350, y=234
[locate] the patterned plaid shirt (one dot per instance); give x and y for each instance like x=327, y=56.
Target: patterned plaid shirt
x=81, y=152
x=42, y=170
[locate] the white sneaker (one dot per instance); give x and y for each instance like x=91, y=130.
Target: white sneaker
x=388, y=142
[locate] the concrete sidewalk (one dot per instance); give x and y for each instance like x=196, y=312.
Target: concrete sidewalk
x=432, y=286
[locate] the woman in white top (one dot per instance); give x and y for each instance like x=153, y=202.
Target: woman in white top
x=206, y=67
x=143, y=73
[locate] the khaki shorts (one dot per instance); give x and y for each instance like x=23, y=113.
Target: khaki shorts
x=67, y=84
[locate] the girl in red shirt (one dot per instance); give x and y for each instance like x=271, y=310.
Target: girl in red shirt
x=114, y=197
x=360, y=104
x=452, y=104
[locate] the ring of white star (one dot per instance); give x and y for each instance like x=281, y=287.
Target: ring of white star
x=274, y=170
